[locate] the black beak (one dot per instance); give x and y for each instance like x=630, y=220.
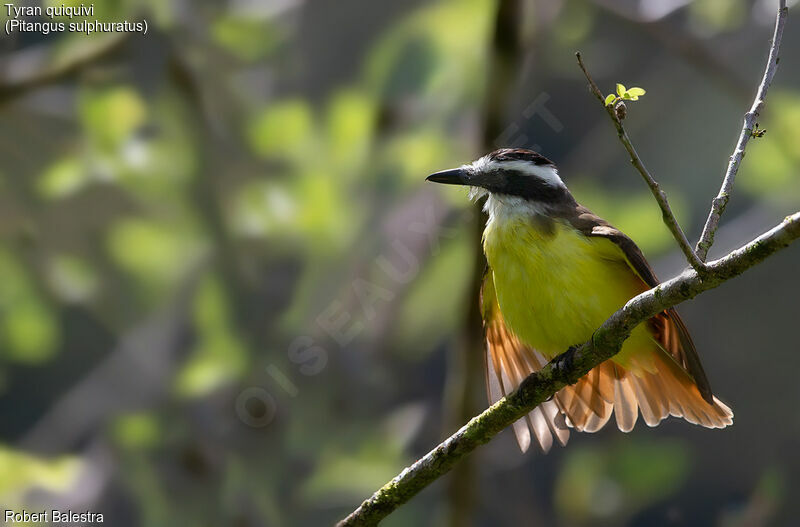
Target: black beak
x=455, y=176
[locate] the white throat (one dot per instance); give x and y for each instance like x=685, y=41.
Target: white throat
x=502, y=209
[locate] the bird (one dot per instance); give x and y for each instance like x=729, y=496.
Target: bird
x=555, y=272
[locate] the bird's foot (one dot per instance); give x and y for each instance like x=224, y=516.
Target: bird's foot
x=564, y=362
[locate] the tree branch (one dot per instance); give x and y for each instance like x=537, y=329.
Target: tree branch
x=661, y=197
x=36, y=75
x=566, y=369
x=719, y=203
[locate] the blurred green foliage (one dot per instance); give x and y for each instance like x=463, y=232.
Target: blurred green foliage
x=711, y=16
x=245, y=166
x=21, y=471
x=249, y=39
x=219, y=357
x=427, y=316
x=28, y=326
x=772, y=163
x=614, y=483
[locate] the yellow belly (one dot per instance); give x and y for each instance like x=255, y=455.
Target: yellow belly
x=556, y=288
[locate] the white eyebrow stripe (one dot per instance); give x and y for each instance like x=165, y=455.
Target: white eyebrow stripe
x=547, y=173
x=480, y=165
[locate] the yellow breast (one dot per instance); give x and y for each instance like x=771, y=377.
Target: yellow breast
x=556, y=286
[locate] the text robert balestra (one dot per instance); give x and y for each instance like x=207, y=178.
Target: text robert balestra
x=51, y=516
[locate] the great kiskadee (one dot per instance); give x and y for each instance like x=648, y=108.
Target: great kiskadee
x=555, y=273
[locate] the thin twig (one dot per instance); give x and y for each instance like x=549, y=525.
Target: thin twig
x=719, y=203
x=661, y=197
x=565, y=370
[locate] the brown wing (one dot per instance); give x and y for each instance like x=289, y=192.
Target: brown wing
x=668, y=327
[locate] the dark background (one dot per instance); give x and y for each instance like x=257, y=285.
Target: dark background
x=228, y=297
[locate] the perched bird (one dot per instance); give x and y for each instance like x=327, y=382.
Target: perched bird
x=555, y=273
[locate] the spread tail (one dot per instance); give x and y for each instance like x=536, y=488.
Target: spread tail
x=667, y=389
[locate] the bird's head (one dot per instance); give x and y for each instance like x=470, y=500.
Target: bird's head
x=509, y=172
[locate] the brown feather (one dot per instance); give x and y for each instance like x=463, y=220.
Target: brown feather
x=625, y=403
x=555, y=420
x=589, y=401
x=649, y=406
x=595, y=422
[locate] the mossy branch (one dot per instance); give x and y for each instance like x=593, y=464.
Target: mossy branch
x=566, y=369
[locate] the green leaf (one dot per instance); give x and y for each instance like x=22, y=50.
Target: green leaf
x=636, y=92
x=627, y=96
x=154, y=251
x=219, y=356
x=139, y=430
x=63, y=178
x=23, y=471
x=124, y=103
x=249, y=38
x=30, y=331
x=610, y=99
x=282, y=129
x=621, y=89
x=350, y=121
